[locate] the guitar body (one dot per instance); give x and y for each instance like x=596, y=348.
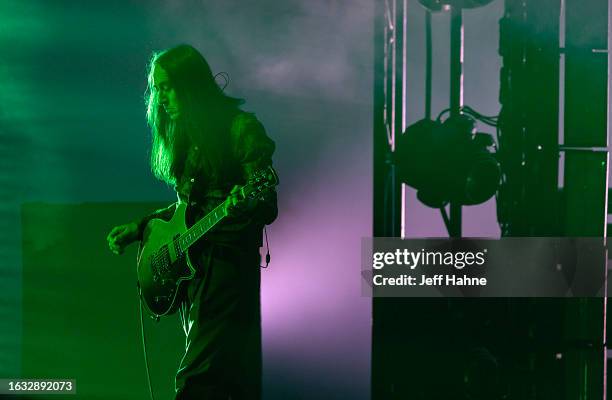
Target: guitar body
x=162, y=268
x=163, y=265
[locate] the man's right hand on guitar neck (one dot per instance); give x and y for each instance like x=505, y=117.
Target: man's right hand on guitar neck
x=121, y=236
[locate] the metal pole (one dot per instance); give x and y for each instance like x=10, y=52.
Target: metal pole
x=456, y=96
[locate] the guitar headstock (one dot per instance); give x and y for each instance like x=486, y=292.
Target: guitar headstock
x=260, y=182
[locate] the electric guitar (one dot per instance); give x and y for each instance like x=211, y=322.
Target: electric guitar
x=163, y=263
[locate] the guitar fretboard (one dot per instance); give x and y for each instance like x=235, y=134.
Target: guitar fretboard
x=200, y=228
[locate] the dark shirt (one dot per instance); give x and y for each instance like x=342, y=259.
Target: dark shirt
x=253, y=150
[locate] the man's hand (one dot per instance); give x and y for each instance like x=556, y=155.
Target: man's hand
x=121, y=236
x=236, y=205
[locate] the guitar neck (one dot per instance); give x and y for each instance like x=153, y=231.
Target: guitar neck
x=262, y=180
x=200, y=228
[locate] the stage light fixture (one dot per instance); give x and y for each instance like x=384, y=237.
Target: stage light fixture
x=447, y=162
x=438, y=5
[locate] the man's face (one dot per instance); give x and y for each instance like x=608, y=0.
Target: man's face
x=165, y=92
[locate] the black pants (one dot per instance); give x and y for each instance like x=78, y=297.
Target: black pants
x=221, y=317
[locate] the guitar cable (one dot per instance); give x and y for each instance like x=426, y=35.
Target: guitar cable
x=144, y=344
x=267, y=249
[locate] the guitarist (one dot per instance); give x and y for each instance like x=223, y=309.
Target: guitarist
x=205, y=147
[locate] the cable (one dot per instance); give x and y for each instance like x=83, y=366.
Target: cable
x=144, y=344
x=267, y=249
x=439, y=117
x=491, y=120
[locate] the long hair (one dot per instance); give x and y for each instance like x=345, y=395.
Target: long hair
x=204, y=121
